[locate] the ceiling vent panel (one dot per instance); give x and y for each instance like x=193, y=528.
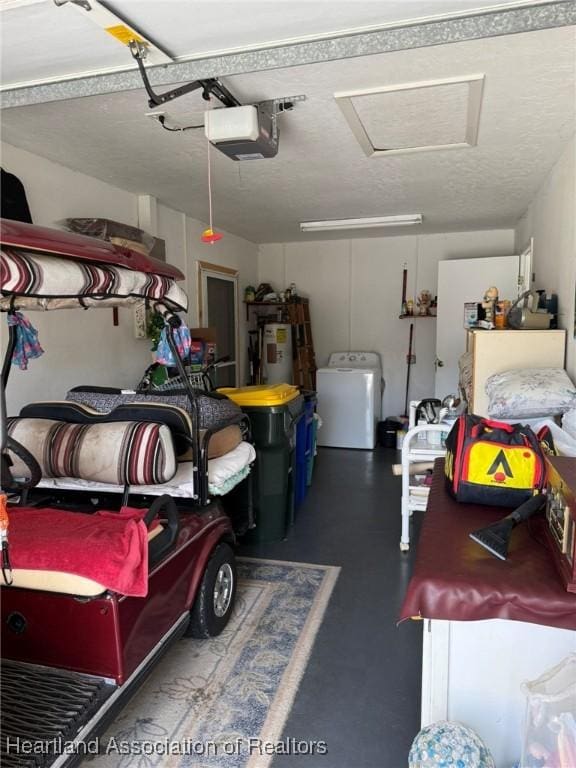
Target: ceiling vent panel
x=415, y=117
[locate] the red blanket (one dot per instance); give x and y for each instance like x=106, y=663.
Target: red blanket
x=108, y=547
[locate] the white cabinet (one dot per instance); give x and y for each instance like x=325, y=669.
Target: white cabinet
x=505, y=350
x=472, y=672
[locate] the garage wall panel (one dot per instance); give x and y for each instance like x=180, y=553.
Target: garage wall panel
x=355, y=289
x=550, y=220
x=272, y=264
x=321, y=270
x=171, y=227
x=376, y=291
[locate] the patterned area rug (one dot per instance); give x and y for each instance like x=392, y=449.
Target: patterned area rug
x=222, y=703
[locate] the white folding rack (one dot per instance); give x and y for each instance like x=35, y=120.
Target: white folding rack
x=419, y=445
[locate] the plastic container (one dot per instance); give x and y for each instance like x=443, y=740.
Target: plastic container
x=312, y=457
x=387, y=431
x=550, y=725
x=304, y=447
x=261, y=394
x=274, y=432
x=300, y=486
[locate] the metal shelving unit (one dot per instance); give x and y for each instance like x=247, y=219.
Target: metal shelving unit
x=297, y=314
x=419, y=446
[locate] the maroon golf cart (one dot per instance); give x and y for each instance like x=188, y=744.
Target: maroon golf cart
x=115, y=542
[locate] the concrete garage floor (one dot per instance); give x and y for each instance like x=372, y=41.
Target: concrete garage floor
x=361, y=689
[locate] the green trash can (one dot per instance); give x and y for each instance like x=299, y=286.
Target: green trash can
x=274, y=412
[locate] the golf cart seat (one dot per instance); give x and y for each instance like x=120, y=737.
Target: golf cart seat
x=140, y=449
x=70, y=552
x=63, y=582
x=79, y=448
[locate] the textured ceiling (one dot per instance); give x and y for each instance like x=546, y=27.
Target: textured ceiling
x=321, y=171
x=415, y=118
x=41, y=41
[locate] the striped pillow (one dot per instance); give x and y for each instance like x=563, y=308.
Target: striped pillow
x=122, y=452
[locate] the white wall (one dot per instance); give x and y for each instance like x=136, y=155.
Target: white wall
x=550, y=221
x=355, y=290
x=83, y=347
x=233, y=252
x=182, y=235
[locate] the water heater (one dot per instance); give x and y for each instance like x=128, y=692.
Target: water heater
x=277, y=357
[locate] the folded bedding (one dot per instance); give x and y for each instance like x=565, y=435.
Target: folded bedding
x=466, y=368
x=220, y=470
x=229, y=484
x=107, y=548
x=224, y=473
x=227, y=471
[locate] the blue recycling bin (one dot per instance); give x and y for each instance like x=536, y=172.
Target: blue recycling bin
x=304, y=447
x=310, y=459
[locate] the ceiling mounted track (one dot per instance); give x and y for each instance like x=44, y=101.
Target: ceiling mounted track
x=404, y=36
x=119, y=27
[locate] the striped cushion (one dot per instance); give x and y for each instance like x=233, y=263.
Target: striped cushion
x=122, y=452
x=44, y=281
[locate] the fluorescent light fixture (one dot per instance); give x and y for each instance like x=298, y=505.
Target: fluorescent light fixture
x=372, y=222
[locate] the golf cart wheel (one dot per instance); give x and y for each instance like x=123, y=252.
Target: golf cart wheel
x=215, y=598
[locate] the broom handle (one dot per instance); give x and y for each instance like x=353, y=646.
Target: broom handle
x=404, y=281
x=409, y=359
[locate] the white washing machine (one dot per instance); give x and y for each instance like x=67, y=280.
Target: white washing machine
x=350, y=399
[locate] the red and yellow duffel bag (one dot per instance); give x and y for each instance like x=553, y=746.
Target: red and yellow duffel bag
x=489, y=462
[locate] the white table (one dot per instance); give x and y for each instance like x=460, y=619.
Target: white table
x=488, y=625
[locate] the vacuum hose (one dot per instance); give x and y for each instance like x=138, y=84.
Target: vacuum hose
x=495, y=538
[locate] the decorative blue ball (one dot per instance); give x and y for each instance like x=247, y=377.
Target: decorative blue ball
x=449, y=745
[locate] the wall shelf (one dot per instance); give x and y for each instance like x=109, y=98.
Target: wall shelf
x=417, y=317
x=276, y=304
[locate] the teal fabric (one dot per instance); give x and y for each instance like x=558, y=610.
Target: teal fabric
x=231, y=482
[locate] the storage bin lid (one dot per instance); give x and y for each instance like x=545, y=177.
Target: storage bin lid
x=261, y=394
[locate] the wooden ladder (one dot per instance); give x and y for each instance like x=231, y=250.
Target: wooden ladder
x=304, y=361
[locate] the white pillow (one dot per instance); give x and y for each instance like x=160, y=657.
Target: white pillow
x=221, y=469
x=569, y=422
x=530, y=392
